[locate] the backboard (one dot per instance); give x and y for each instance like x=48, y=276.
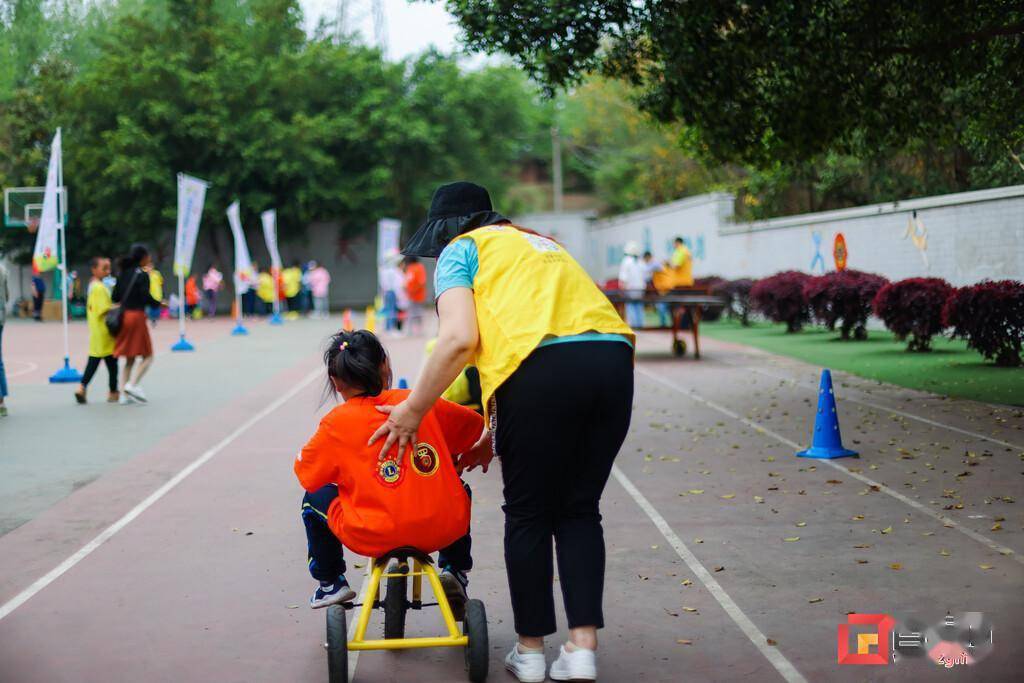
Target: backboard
x=24, y=205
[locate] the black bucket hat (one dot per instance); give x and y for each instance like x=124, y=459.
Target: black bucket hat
x=456, y=208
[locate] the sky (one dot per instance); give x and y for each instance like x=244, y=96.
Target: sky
x=412, y=27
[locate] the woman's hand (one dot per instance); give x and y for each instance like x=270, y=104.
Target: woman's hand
x=400, y=427
x=480, y=455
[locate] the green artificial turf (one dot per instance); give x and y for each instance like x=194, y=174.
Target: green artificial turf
x=950, y=368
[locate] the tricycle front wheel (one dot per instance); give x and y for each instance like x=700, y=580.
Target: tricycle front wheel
x=337, y=645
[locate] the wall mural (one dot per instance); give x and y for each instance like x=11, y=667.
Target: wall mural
x=839, y=253
x=818, y=261
x=918, y=234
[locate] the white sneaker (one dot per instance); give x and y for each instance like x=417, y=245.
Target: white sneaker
x=124, y=399
x=136, y=392
x=528, y=667
x=578, y=665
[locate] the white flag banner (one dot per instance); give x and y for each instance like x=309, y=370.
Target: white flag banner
x=269, y=219
x=244, y=277
x=44, y=256
x=191, y=197
x=389, y=230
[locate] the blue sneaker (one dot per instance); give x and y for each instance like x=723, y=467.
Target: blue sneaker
x=454, y=583
x=332, y=594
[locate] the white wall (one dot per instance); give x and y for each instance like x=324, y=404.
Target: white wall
x=970, y=236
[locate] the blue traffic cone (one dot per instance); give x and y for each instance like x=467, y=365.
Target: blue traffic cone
x=827, y=442
x=402, y=383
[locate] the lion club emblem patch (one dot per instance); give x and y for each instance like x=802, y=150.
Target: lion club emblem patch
x=425, y=461
x=389, y=471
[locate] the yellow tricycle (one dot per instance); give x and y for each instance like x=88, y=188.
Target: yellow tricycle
x=396, y=567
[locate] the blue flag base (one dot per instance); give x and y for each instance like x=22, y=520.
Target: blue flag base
x=403, y=383
x=183, y=345
x=239, y=331
x=276, y=319
x=66, y=375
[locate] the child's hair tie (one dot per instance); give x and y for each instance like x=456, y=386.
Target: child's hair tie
x=343, y=346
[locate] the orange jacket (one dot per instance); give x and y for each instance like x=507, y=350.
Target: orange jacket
x=416, y=282
x=385, y=503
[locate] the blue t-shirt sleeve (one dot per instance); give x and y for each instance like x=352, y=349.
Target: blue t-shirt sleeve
x=456, y=267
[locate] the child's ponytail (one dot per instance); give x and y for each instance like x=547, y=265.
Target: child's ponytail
x=355, y=359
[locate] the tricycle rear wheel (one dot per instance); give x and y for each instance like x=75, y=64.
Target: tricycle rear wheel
x=478, y=649
x=337, y=645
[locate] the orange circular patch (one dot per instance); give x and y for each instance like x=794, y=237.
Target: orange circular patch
x=425, y=461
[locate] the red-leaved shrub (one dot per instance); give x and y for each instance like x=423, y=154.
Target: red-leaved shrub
x=913, y=308
x=711, y=283
x=780, y=297
x=738, y=293
x=843, y=297
x=990, y=316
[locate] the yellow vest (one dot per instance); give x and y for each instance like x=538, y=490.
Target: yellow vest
x=529, y=288
x=96, y=306
x=156, y=285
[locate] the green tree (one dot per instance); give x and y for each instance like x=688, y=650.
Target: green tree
x=787, y=81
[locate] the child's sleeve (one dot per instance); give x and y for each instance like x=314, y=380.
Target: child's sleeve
x=316, y=465
x=461, y=425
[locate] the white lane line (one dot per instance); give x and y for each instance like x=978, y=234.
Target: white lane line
x=105, y=535
x=946, y=521
x=32, y=367
x=772, y=654
x=895, y=411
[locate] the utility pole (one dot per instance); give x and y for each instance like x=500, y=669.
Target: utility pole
x=556, y=168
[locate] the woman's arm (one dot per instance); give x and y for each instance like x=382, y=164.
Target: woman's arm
x=457, y=339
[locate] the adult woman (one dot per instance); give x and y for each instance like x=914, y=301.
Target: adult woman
x=555, y=363
x=4, y=295
x=132, y=291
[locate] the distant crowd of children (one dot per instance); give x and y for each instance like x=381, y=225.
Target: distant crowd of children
x=403, y=291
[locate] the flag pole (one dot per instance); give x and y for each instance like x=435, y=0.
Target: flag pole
x=239, y=329
x=182, y=344
x=66, y=374
x=276, y=318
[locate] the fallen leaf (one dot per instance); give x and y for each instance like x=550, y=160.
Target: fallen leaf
x=718, y=569
x=772, y=642
x=997, y=526
x=671, y=614
x=791, y=539
x=654, y=547
x=944, y=552
x=814, y=600
x=896, y=565
x=862, y=545
x=698, y=540
x=690, y=609
x=887, y=530
x=833, y=481
x=758, y=499
x=857, y=517
x=729, y=496
x=985, y=566
x=648, y=458
x=684, y=641
x=862, y=561
x=928, y=533
x=801, y=523
x=687, y=582
x=293, y=607
x=696, y=491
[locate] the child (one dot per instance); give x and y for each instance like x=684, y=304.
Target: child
x=101, y=344
x=373, y=503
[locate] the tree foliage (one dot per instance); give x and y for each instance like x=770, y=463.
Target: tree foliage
x=763, y=82
x=239, y=95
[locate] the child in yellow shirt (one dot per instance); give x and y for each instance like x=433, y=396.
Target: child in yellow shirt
x=101, y=344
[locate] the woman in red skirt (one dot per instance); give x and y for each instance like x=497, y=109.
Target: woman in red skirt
x=133, y=342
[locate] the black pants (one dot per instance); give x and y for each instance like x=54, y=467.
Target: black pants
x=325, y=555
x=560, y=421
x=93, y=363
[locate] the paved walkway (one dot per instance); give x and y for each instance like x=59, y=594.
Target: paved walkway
x=175, y=552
